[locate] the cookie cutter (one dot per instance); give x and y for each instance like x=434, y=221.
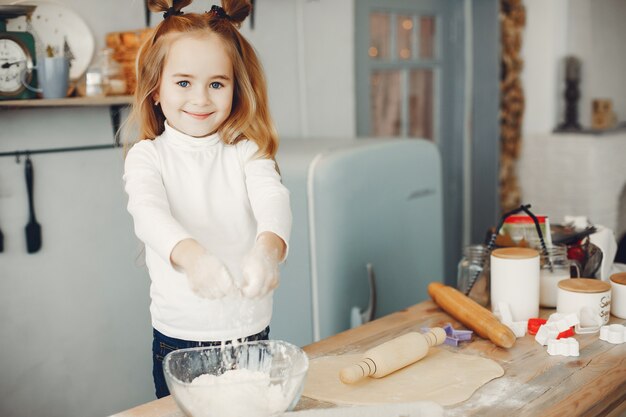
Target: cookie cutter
x=613, y=333
x=564, y=347
x=453, y=336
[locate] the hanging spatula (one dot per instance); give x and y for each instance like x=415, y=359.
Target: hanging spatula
x=33, y=229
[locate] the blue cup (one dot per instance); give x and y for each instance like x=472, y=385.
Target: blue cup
x=53, y=74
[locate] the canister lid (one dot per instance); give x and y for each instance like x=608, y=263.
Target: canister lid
x=515, y=253
x=619, y=278
x=584, y=285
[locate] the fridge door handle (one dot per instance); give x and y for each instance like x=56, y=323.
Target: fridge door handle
x=358, y=316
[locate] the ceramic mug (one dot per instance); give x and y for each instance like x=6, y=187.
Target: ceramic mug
x=515, y=281
x=590, y=299
x=53, y=75
x=618, y=295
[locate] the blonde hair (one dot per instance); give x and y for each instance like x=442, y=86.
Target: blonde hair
x=250, y=116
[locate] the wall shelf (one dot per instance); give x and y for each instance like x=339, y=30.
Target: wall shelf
x=115, y=104
x=69, y=102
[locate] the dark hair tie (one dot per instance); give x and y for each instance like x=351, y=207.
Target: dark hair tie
x=219, y=12
x=172, y=12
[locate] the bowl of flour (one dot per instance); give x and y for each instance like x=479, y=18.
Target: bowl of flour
x=260, y=379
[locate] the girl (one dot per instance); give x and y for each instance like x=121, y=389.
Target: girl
x=203, y=187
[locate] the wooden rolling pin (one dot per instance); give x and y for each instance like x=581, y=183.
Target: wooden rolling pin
x=471, y=314
x=390, y=356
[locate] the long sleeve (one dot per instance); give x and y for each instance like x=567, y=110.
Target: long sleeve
x=148, y=203
x=269, y=198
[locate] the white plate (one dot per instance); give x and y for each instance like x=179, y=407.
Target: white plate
x=53, y=22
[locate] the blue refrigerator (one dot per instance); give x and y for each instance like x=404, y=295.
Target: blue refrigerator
x=361, y=209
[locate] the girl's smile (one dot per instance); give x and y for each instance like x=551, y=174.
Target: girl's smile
x=198, y=116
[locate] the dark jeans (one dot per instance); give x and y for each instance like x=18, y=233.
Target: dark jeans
x=162, y=345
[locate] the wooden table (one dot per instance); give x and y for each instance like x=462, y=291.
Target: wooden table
x=534, y=383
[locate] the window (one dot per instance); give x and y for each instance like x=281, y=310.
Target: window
x=402, y=68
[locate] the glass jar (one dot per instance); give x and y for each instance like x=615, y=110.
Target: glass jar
x=522, y=230
x=105, y=76
x=473, y=274
x=555, y=267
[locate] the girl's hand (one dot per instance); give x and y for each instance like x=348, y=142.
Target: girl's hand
x=260, y=266
x=208, y=276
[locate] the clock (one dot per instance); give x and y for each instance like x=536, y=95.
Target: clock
x=17, y=57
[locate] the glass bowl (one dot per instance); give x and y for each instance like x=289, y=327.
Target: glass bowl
x=260, y=378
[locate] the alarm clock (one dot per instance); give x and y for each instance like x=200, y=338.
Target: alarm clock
x=17, y=57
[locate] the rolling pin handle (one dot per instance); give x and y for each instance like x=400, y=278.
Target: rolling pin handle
x=355, y=373
x=435, y=337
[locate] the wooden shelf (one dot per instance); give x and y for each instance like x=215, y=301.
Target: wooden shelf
x=70, y=102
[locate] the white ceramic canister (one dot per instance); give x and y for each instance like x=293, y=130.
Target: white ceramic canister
x=589, y=298
x=618, y=295
x=515, y=281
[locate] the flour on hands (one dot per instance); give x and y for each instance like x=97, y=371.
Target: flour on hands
x=260, y=270
x=209, y=277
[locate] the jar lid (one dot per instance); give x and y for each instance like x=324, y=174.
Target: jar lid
x=524, y=219
x=586, y=285
x=515, y=253
x=619, y=278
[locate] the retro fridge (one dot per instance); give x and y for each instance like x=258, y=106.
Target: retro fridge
x=367, y=234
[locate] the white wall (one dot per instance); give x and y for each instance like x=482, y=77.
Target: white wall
x=542, y=47
x=591, y=30
x=75, y=324
x=596, y=33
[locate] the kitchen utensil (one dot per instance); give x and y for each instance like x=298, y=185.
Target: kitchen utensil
x=471, y=314
x=567, y=235
x=593, y=261
x=395, y=354
x=261, y=378
x=33, y=229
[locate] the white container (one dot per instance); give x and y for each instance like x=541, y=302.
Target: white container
x=588, y=298
x=555, y=267
x=618, y=295
x=515, y=281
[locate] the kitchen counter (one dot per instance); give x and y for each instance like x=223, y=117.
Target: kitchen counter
x=534, y=383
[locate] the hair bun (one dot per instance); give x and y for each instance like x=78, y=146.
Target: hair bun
x=159, y=6
x=237, y=10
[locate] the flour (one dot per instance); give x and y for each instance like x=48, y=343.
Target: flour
x=235, y=393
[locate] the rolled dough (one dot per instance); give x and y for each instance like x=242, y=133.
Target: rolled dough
x=443, y=377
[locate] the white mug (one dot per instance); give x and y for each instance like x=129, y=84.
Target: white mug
x=515, y=281
x=618, y=295
x=590, y=299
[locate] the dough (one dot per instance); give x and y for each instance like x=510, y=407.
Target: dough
x=444, y=377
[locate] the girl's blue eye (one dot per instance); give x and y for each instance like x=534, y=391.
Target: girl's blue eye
x=216, y=85
x=183, y=83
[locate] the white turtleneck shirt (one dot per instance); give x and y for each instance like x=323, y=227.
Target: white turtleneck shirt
x=221, y=195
